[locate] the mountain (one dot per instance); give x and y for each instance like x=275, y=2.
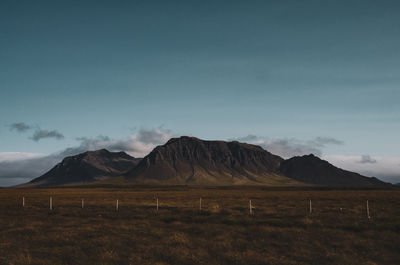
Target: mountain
x=189, y=160
x=313, y=170
x=87, y=167
x=192, y=161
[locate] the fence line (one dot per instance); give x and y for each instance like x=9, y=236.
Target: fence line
x=250, y=206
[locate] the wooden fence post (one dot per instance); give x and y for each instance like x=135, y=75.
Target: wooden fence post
x=310, y=206
x=83, y=203
x=369, y=217
x=200, y=204
x=116, y=206
x=250, y=207
x=23, y=202
x=51, y=203
x=157, y=204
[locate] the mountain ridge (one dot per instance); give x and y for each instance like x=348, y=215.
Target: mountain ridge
x=86, y=167
x=313, y=170
x=189, y=160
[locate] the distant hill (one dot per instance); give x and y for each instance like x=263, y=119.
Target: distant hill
x=189, y=160
x=192, y=161
x=313, y=170
x=87, y=167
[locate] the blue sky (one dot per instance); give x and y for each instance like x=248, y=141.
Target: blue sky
x=278, y=70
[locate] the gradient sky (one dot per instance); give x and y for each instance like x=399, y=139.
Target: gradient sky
x=278, y=70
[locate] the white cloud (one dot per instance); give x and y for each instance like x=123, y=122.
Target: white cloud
x=289, y=147
x=137, y=145
x=15, y=156
x=367, y=159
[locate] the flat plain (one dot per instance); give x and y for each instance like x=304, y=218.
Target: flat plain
x=281, y=229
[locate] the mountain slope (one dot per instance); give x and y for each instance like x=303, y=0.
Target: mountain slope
x=313, y=170
x=87, y=167
x=189, y=160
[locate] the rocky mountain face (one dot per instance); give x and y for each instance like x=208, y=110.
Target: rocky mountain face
x=313, y=170
x=87, y=167
x=189, y=160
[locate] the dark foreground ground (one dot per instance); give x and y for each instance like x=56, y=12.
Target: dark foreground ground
x=281, y=230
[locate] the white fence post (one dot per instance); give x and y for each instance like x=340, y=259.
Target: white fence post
x=369, y=217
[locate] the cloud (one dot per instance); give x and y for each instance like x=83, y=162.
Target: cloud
x=17, y=168
x=15, y=156
x=289, y=147
x=156, y=136
x=137, y=145
x=367, y=159
x=323, y=141
x=385, y=168
x=20, y=127
x=38, y=134
x=41, y=134
x=248, y=138
x=13, y=172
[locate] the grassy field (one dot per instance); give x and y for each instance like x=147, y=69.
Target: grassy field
x=280, y=231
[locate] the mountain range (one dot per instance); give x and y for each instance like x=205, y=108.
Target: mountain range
x=192, y=161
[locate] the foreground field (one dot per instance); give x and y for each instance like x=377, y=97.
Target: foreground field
x=280, y=231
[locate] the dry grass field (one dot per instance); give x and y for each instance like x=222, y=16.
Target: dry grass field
x=280, y=231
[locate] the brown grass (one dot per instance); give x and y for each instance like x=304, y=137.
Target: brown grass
x=281, y=231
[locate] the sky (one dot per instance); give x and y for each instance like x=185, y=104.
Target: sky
x=292, y=76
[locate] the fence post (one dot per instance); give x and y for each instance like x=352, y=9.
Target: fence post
x=369, y=217
x=250, y=207
x=310, y=206
x=83, y=203
x=157, y=204
x=200, y=205
x=23, y=202
x=116, y=206
x=51, y=203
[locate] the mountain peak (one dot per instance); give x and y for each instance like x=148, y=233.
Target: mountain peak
x=183, y=139
x=87, y=167
x=99, y=151
x=311, y=155
x=314, y=170
x=190, y=160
